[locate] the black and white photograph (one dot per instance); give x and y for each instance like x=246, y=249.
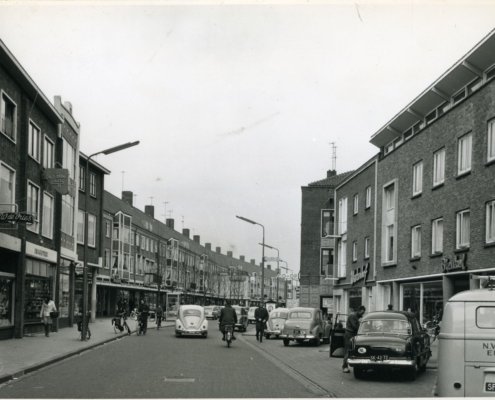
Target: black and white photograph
x=247, y=199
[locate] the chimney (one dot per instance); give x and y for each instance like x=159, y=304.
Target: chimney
x=170, y=223
x=196, y=238
x=229, y=253
x=150, y=210
x=242, y=258
x=252, y=261
x=208, y=246
x=218, y=250
x=127, y=197
x=185, y=232
x=331, y=172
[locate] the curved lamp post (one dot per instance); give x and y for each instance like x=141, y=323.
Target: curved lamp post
x=86, y=228
x=262, y=255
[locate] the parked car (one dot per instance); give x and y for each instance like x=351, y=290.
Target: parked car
x=304, y=324
x=212, y=312
x=251, y=311
x=191, y=321
x=276, y=322
x=389, y=340
x=242, y=318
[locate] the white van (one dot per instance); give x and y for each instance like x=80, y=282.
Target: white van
x=466, y=348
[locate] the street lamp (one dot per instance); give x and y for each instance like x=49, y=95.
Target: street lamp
x=86, y=228
x=262, y=255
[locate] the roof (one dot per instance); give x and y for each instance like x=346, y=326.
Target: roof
x=468, y=68
x=474, y=295
x=332, y=181
x=388, y=314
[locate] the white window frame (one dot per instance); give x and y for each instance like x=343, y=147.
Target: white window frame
x=48, y=152
x=490, y=153
x=354, y=250
x=80, y=227
x=390, y=246
x=490, y=222
x=3, y=96
x=67, y=225
x=368, y=197
x=437, y=236
x=48, y=213
x=462, y=231
x=34, y=141
x=92, y=184
x=416, y=241
x=464, y=153
x=33, y=206
x=366, y=247
x=342, y=215
x=342, y=259
x=91, y=230
x=82, y=179
x=417, y=180
x=10, y=198
x=439, y=167
x=355, y=201
x=389, y=196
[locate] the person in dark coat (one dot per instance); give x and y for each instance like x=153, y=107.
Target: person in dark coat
x=159, y=316
x=144, y=311
x=261, y=316
x=351, y=329
x=228, y=316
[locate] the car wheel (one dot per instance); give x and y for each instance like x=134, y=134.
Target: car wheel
x=422, y=363
x=267, y=335
x=411, y=373
x=286, y=342
x=205, y=336
x=359, y=372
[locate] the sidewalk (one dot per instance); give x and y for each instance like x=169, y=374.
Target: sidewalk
x=20, y=356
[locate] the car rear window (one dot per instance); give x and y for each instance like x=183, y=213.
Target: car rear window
x=385, y=326
x=300, y=315
x=485, y=317
x=191, y=313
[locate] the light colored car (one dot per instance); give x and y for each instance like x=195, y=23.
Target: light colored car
x=191, y=321
x=305, y=324
x=242, y=319
x=251, y=311
x=276, y=322
x=212, y=312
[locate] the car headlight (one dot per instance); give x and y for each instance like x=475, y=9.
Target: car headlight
x=361, y=350
x=399, y=348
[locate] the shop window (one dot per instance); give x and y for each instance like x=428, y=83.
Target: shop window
x=355, y=299
x=63, y=296
x=432, y=301
x=39, y=284
x=6, y=301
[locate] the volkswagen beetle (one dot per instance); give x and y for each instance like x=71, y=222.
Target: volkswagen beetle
x=276, y=322
x=389, y=340
x=191, y=321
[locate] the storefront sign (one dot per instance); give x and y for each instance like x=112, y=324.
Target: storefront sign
x=359, y=274
x=40, y=252
x=58, y=178
x=16, y=217
x=456, y=264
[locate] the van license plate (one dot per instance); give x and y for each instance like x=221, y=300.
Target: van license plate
x=379, y=358
x=489, y=386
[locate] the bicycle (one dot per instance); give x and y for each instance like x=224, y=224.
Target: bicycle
x=432, y=328
x=119, y=323
x=229, y=332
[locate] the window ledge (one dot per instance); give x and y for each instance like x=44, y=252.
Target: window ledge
x=461, y=250
x=389, y=264
x=416, y=258
x=434, y=255
x=438, y=186
x=490, y=162
x=489, y=244
x=367, y=208
x=463, y=174
x=416, y=195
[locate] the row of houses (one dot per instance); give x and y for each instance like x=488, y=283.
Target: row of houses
x=56, y=218
x=415, y=224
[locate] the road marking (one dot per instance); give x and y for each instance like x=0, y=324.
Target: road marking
x=179, y=379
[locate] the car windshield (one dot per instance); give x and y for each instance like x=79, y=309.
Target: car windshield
x=209, y=308
x=191, y=313
x=279, y=314
x=393, y=326
x=300, y=315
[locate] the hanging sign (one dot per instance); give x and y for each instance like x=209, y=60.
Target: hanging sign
x=456, y=264
x=359, y=274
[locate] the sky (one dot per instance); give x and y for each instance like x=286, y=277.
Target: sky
x=235, y=104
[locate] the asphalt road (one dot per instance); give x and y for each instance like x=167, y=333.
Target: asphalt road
x=159, y=365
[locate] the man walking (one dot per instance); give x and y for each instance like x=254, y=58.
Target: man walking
x=351, y=329
x=261, y=316
x=159, y=316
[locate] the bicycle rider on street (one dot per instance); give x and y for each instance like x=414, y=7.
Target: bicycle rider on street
x=228, y=316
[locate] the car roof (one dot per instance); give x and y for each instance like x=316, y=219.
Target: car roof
x=474, y=295
x=191, y=306
x=310, y=309
x=389, y=315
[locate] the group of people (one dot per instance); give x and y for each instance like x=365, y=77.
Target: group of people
x=228, y=316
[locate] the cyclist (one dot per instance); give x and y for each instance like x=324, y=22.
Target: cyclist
x=228, y=316
x=261, y=316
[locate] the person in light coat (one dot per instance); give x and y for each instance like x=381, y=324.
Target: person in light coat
x=46, y=308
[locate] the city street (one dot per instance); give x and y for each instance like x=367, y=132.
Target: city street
x=159, y=365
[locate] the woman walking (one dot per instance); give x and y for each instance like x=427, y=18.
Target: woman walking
x=47, y=307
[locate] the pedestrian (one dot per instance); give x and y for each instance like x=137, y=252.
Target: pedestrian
x=390, y=307
x=47, y=308
x=261, y=316
x=351, y=329
x=159, y=316
x=144, y=311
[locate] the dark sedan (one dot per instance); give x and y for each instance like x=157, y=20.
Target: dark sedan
x=390, y=340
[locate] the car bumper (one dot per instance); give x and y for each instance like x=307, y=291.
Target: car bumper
x=190, y=332
x=391, y=363
x=273, y=332
x=297, y=337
